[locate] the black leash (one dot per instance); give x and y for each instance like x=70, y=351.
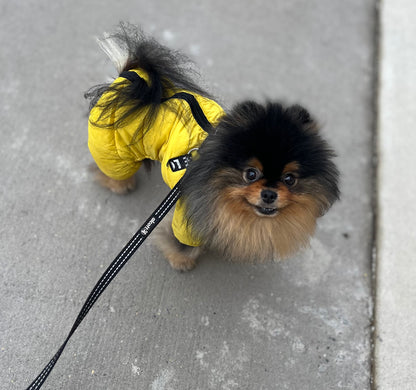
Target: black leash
x=117, y=264
x=176, y=164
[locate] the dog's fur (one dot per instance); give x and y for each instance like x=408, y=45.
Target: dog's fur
x=262, y=177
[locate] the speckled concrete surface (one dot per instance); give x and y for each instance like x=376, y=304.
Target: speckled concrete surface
x=301, y=324
x=396, y=288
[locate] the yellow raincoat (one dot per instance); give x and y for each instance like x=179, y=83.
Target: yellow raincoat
x=170, y=136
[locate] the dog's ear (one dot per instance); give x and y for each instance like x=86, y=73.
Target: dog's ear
x=299, y=113
x=244, y=112
x=302, y=116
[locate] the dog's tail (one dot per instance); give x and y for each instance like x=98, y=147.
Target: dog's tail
x=116, y=53
x=128, y=48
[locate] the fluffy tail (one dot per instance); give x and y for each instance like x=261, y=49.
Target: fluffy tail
x=128, y=48
x=117, y=54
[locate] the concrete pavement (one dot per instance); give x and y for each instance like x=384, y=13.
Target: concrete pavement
x=302, y=324
x=396, y=246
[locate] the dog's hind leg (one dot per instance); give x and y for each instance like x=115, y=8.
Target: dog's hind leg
x=120, y=187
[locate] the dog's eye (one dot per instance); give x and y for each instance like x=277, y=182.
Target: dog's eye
x=251, y=175
x=289, y=179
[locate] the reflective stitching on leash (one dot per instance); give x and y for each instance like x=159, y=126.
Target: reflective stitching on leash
x=118, y=263
x=133, y=244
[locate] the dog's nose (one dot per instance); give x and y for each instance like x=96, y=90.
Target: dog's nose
x=268, y=196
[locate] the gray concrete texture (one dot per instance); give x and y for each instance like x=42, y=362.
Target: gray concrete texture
x=395, y=352
x=300, y=324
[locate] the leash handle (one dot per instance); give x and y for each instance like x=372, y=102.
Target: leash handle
x=110, y=273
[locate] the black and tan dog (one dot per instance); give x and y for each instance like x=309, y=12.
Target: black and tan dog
x=260, y=175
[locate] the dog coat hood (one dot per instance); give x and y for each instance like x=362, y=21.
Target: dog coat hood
x=173, y=133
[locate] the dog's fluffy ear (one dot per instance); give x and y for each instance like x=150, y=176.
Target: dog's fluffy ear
x=244, y=112
x=299, y=113
x=302, y=116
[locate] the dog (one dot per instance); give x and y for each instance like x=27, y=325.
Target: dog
x=254, y=180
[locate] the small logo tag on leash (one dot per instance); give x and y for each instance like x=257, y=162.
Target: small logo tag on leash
x=145, y=230
x=181, y=162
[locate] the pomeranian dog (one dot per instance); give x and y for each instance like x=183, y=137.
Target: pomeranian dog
x=254, y=179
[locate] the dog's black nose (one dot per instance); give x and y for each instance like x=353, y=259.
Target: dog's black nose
x=268, y=196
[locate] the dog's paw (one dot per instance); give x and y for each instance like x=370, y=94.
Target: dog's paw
x=120, y=187
x=181, y=263
x=181, y=257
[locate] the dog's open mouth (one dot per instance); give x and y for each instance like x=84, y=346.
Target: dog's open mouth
x=266, y=211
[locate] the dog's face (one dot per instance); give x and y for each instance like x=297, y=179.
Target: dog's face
x=265, y=173
x=263, y=196
x=273, y=158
